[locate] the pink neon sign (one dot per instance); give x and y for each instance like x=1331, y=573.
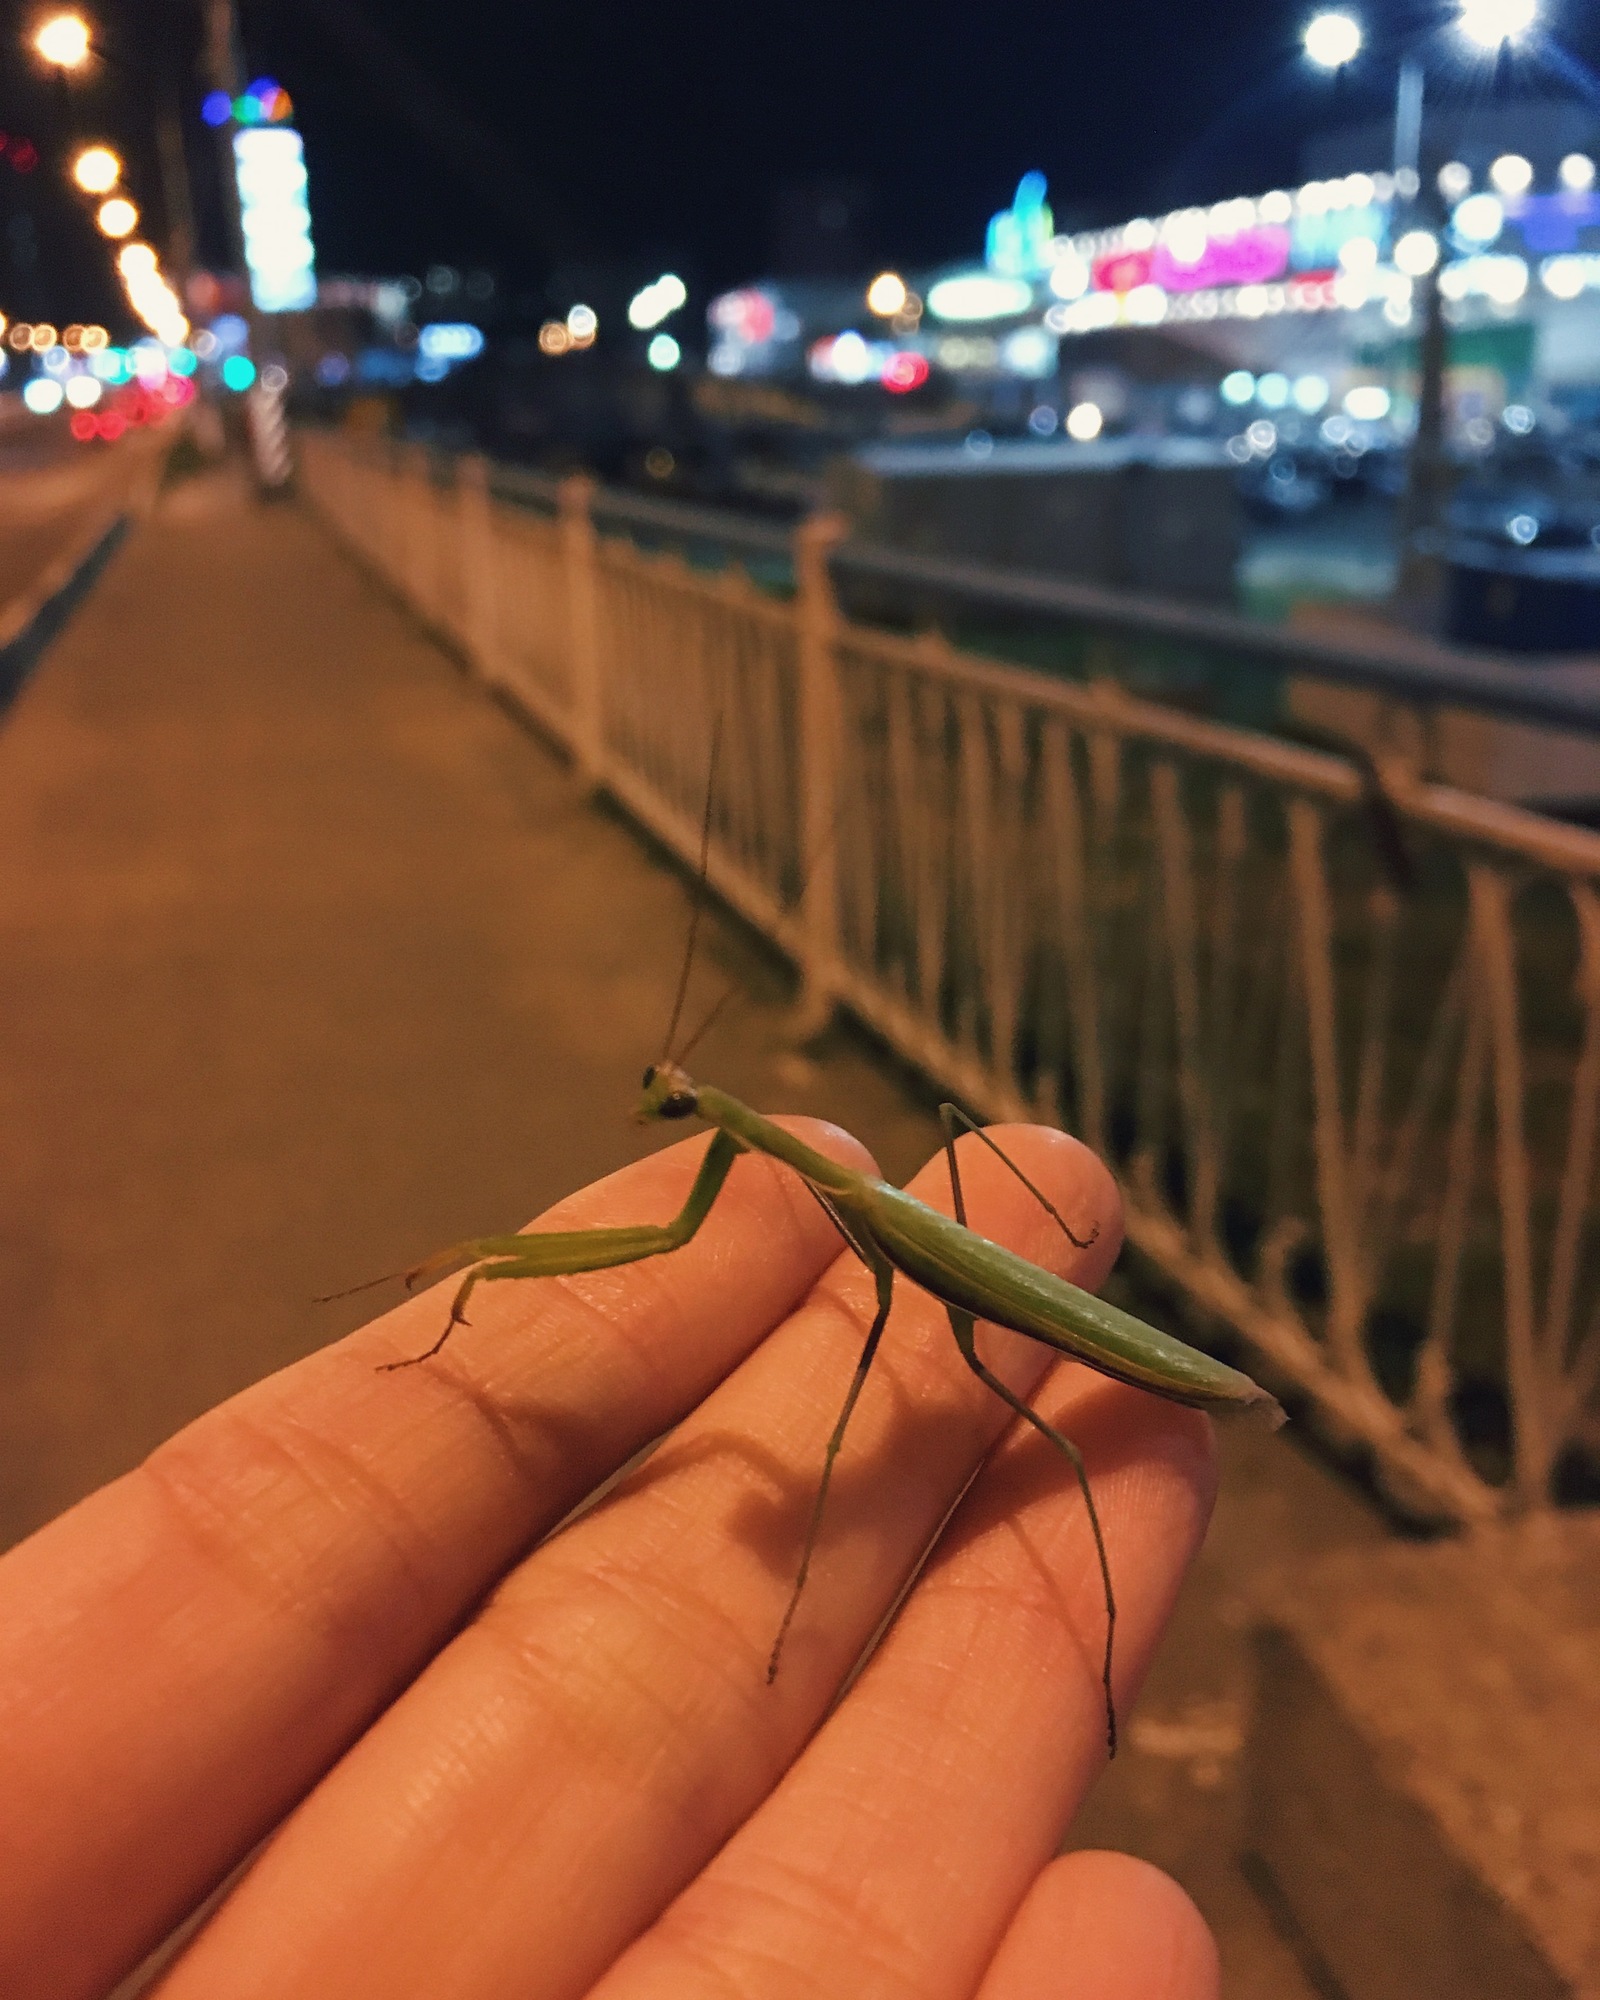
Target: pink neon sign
x=1253, y=257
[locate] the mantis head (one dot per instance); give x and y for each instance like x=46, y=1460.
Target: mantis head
x=668, y=1093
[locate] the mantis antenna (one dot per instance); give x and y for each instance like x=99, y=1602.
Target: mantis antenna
x=699, y=892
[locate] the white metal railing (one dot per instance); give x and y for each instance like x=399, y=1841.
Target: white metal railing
x=1342, y=1047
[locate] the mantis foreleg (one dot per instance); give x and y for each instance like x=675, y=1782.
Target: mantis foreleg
x=559, y=1253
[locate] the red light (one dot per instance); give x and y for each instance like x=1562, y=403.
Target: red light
x=1125, y=272
x=110, y=426
x=84, y=426
x=24, y=155
x=750, y=316
x=907, y=371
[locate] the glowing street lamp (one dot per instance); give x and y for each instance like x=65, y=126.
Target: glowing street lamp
x=886, y=295
x=63, y=40
x=117, y=217
x=1493, y=23
x=1331, y=40
x=97, y=170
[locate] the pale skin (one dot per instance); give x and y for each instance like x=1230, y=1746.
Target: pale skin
x=498, y=1767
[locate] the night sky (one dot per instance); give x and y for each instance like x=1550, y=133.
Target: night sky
x=666, y=132
x=541, y=141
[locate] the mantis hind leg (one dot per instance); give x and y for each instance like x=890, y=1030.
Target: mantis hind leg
x=951, y=1115
x=961, y=1324
x=883, y=1273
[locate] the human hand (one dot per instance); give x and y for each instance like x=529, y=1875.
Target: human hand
x=314, y=1615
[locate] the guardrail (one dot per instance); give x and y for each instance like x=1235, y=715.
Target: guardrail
x=1341, y=1042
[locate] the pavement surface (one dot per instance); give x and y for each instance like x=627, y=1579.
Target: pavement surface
x=312, y=958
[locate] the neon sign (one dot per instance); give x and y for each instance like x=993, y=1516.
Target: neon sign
x=1018, y=243
x=1123, y=271
x=1252, y=257
x=269, y=164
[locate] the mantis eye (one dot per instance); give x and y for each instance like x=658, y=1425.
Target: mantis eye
x=649, y=1076
x=678, y=1104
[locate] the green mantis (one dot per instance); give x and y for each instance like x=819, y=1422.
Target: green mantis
x=893, y=1234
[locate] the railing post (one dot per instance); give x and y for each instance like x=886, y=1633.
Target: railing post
x=818, y=778
x=475, y=519
x=580, y=560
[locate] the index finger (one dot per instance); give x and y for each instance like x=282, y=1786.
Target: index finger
x=184, y=1653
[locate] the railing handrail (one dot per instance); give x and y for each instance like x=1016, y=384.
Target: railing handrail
x=1416, y=670
x=692, y=521
x=1563, y=694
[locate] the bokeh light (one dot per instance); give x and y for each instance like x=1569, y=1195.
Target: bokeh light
x=904, y=372
x=1490, y=23
x=117, y=217
x=97, y=170
x=886, y=295
x=1332, y=40
x=63, y=39
x=1511, y=174
x=1416, y=253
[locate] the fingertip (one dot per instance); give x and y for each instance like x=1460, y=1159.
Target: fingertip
x=1080, y=1185
x=1105, y=1926
x=997, y=1163
x=1174, y=1449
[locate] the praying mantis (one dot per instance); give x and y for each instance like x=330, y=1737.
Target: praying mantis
x=893, y=1234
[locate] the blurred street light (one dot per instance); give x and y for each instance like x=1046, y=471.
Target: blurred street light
x=886, y=295
x=97, y=170
x=136, y=260
x=63, y=40
x=658, y=301
x=1331, y=40
x=1492, y=23
x=117, y=217
x=1416, y=253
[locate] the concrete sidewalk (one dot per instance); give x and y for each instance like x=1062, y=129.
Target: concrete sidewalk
x=312, y=959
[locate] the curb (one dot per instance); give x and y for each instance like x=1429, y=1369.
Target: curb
x=36, y=615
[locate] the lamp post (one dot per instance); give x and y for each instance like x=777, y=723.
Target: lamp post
x=1331, y=41
x=63, y=42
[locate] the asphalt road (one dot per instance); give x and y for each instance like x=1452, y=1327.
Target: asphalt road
x=51, y=489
